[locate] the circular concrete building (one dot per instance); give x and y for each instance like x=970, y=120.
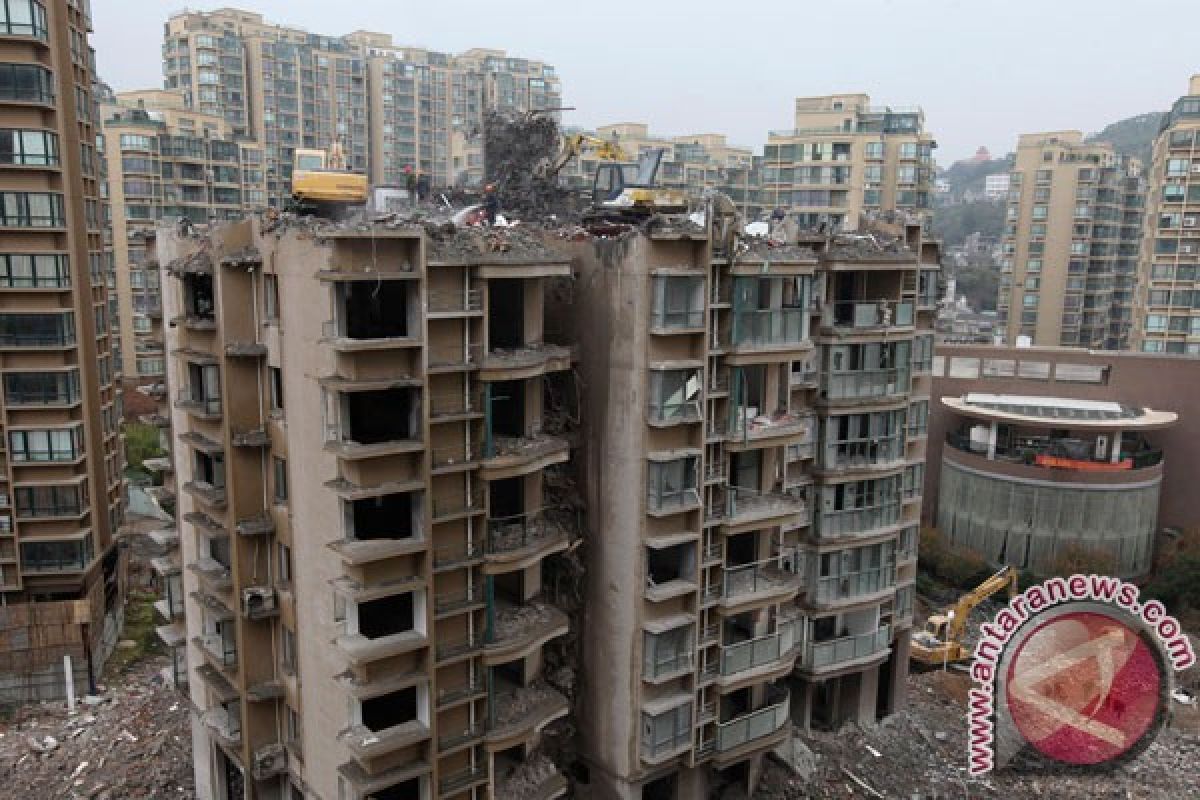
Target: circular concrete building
x=1026, y=478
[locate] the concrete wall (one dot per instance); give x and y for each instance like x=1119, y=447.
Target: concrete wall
x=1160, y=382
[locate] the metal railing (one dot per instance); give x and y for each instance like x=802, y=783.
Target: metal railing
x=866, y=383
x=662, y=319
x=868, y=314
x=764, y=576
x=518, y=531
x=755, y=725
x=847, y=648
x=855, y=584
x=668, y=500
x=666, y=413
x=769, y=327
x=760, y=651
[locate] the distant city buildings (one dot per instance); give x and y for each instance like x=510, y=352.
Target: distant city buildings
x=389, y=106
x=1168, y=319
x=1070, y=244
x=995, y=187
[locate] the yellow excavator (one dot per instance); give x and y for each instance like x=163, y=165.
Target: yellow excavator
x=323, y=185
x=941, y=640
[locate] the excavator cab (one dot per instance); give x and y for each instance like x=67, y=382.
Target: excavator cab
x=617, y=193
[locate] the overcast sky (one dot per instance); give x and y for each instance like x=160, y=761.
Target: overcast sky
x=983, y=70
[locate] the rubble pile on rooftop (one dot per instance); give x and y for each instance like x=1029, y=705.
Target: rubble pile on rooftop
x=449, y=242
x=517, y=149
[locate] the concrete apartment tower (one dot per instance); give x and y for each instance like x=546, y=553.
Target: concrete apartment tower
x=165, y=161
x=845, y=158
x=1168, y=279
x=1072, y=229
x=62, y=466
x=389, y=106
x=375, y=513
x=755, y=432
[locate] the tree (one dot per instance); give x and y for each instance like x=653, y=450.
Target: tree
x=141, y=442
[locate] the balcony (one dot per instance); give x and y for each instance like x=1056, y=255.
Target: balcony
x=516, y=542
x=360, y=649
x=874, y=316
x=878, y=512
x=519, y=630
x=365, y=743
x=763, y=654
x=1042, y=458
x=218, y=648
x=225, y=726
x=447, y=303
x=846, y=651
x=749, y=731
x=524, y=362
x=848, y=455
x=535, y=778
x=853, y=587
x=206, y=493
x=867, y=384
x=755, y=584
x=751, y=507
x=204, y=408
x=215, y=575
x=770, y=429
x=522, y=712
x=509, y=456
x=770, y=330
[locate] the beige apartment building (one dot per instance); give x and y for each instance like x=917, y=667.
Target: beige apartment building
x=754, y=430
x=61, y=469
x=1168, y=299
x=846, y=158
x=372, y=443
x=1072, y=228
x=165, y=161
x=390, y=106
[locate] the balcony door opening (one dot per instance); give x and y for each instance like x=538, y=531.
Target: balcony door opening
x=390, y=710
x=405, y=790
x=506, y=314
x=507, y=500
x=386, y=415
x=741, y=549
x=376, y=310
x=507, y=401
x=389, y=516
x=386, y=616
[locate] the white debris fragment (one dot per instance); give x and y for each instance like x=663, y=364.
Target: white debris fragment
x=757, y=229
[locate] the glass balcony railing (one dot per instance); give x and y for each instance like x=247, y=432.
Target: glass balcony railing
x=754, y=653
x=769, y=327
x=765, y=576
x=866, y=383
x=863, y=452
x=878, y=514
x=836, y=588
x=754, y=725
x=818, y=655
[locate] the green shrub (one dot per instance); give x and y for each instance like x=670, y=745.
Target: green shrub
x=141, y=442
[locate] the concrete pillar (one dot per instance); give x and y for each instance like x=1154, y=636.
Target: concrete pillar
x=901, y=651
x=693, y=782
x=1115, y=446
x=801, y=700
x=992, y=440
x=868, y=692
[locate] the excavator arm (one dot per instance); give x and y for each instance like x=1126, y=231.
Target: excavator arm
x=576, y=144
x=1004, y=578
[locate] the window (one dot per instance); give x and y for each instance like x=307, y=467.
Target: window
x=32, y=210
x=51, y=501
x=288, y=650
x=668, y=731
x=1177, y=167
x=668, y=651
x=1156, y=323
x=285, y=564
x=922, y=352
x=271, y=297
x=1033, y=284
x=1033, y=265
x=37, y=330
x=34, y=271
x=1029, y=301
x=678, y=302
x=671, y=484
x=53, y=444
x=674, y=395
x=275, y=377
x=914, y=479
x=26, y=83
x=874, y=150
x=918, y=418
x=58, y=556
x=906, y=174
x=279, y=473
x=41, y=388
x=28, y=148
x=1040, y=212
x=149, y=367
x=23, y=18
x=907, y=545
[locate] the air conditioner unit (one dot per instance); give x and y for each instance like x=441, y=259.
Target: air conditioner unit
x=258, y=600
x=269, y=761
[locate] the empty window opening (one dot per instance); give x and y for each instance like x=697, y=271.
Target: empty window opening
x=386, y=616
x=667, y=564
x=507, y=498
x=508, y=409
x=381, y=416
x=198, y=296
x=741, y=549
x=506, y=314
x=390, y=710
x=388, y=516
x=376, y=310
x=407, y=790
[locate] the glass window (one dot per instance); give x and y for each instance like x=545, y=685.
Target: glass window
x=23, y=18
x=53, y=444
x=669, y=651
x=275, y=377
x=34, y=271
x=51, y=501
x=28, y=148
x=280, y=479
x=671, y=484
x=37, y=330
x=65, y=556
x=678, y=302
x=32, y=210
x=26, y=83
x=41, y=388
x=674, y=395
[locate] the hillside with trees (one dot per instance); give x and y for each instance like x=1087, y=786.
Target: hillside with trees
x=1133, y=136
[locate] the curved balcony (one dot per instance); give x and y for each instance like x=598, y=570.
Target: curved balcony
x=366, y=744
x=855, y=587
x=749, y=508
x=848, y=651
x=536, y=778
x=758, y=659
x=519, y=541
x=206, y=493
x=519, y=630
x=865, y=386
x=334, y=335
x=522, y=712
x=880, y=512
x=525, y=362
x=757, y=584
x=754, y=730
x=866, y=454
x=509, y=456
x=1027, y=465
x=871, y=317
x=768, y=334
x=359, y=649
x=770, y=430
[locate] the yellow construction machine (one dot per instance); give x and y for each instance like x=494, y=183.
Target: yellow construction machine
x=323, y=185
x=941, y=641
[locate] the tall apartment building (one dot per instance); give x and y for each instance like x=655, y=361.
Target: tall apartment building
x=61, y=469
x=374, y=513
x=1072, y=228
x=846, y=157
x=755, y=434
x=165, y=161
x=1168, y=301
x=390, y=106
